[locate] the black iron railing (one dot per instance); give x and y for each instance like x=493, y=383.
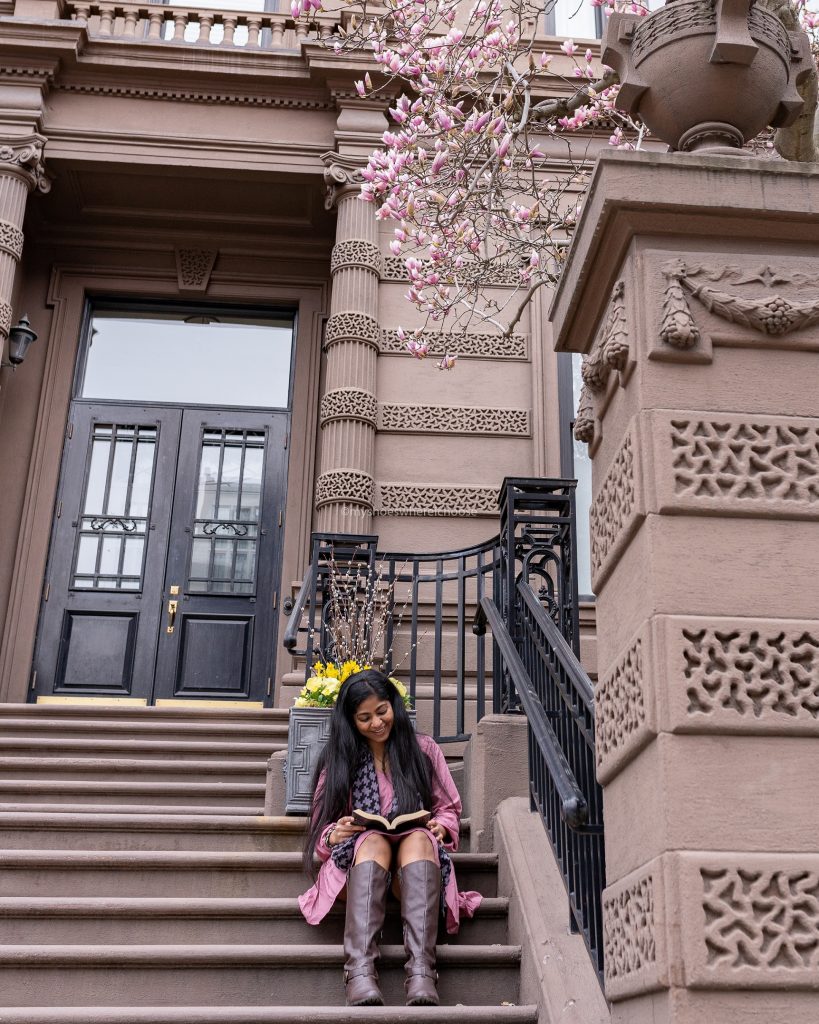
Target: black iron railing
x=432, y=597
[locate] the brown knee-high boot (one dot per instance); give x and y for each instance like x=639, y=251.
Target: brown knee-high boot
x=366, y=907
x=420, y=902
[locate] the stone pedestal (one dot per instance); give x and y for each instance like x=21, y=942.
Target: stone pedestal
x=693, y=289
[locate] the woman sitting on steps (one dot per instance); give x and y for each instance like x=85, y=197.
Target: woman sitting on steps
x=374, y=761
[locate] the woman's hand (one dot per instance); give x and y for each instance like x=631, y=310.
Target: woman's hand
x=438, y=830
x=344, y=828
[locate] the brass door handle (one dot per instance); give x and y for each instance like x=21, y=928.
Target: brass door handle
x=172, y=606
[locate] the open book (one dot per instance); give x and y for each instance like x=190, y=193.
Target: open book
x=400, y=823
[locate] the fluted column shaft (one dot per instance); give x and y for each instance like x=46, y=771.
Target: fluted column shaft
x=344, y=490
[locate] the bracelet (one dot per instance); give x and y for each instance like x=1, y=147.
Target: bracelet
x=326, y=837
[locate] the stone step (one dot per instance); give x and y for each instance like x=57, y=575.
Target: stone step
x=101, y=792
x=127, y=808
x=146, y=830
x=183, y=873
x=147, y=727
x=101, y=769
x=60, y=746
x=191, y=712
x=99, y=919
x=458, y=1014
x=232, y=974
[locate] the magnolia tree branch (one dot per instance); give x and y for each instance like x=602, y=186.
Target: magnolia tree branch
x=483, y=170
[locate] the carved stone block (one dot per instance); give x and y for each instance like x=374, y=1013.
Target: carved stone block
x=453, y=419
x=409, y=499
x=625, y=708
x=306, y=737
x=633, y=932
x=344, y=485
x=193, y=268
x=741, y=675
x=470, y=346
x=736, y=464
x=348, y=403
x=617, y=508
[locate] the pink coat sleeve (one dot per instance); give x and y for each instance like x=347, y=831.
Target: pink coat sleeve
x=446, y=803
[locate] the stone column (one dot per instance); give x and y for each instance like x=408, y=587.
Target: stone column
x=344, y=489
x=21, y=171
x=693, y=289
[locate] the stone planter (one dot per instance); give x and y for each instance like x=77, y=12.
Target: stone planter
x=707, y=76
x=306, y=736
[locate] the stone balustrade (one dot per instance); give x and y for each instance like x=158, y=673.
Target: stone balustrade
x=142, y=22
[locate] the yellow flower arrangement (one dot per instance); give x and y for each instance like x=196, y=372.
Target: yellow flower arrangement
x=322, y=688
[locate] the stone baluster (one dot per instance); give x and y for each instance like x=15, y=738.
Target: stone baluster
x=130, y=23
x=230, y=30
x=344, y=489
x=21, y=171
x=205, y=26
x=156, y=21
x=254, y=28
x=696, y=304
x=277, y=33
x=106, y=19
x=180, y=23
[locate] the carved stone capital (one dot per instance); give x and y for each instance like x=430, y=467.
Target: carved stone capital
x=343, y=176
x=26, y=154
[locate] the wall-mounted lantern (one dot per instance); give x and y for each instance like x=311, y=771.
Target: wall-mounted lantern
x=20, y=337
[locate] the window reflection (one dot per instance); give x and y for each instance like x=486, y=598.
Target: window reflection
x=185, y=359
x=582, y=471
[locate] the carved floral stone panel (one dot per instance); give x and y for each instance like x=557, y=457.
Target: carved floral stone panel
x=624, y=709
x=742, y=675
x=348, y=403
x=410, y=499
x=737, y=464
x=194, y=267
x=755, y=924
x=473, y=345
x=616, y=510
x=453, y=419
x=344, y=485
x=708, y=301
x=631, y=934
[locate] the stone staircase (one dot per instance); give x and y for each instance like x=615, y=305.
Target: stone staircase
x=139, y=882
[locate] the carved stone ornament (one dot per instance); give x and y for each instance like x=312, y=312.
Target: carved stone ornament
x=614, y=511
x=193, y=268
x=407, y=499
x=609, y=353
x=620, y=707
x=349, y=403
x=629, y=930
x=472, y=346
x=762, y=923
x=351, y=327
x=11, y=239
x=5, y=318
x=453, y=419
x=355, y=252
x=342, y=176
x=26, y=154
x=394, y=269
x=344, y=485
x=754, y=673
x=771, y=314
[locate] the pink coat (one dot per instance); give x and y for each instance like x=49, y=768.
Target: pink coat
x=446, y=808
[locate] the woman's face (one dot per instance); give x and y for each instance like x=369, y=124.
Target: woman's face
x=374, y=719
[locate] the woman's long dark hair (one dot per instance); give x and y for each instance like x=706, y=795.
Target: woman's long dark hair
x=410, y=768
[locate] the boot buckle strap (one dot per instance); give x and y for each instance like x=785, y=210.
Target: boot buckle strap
x=358, y=972
x=421, y=972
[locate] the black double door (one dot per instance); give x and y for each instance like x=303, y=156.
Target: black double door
x=165, y=555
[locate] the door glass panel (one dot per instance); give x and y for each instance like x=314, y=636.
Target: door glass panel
x=116, y=507
x=185, y=359
x=226, y=525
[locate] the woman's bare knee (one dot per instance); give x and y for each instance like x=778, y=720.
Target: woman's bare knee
x=376, y=848
x=416, y=846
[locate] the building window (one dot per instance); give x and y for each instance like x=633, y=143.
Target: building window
x=575, y=463
x=574, y=19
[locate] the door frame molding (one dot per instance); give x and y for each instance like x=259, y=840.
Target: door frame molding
x=70, y=286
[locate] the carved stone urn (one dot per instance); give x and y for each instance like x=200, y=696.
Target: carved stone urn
x=707, y=74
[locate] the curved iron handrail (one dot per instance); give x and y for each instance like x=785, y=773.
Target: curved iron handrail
x=573, y=806
x=291, y=634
